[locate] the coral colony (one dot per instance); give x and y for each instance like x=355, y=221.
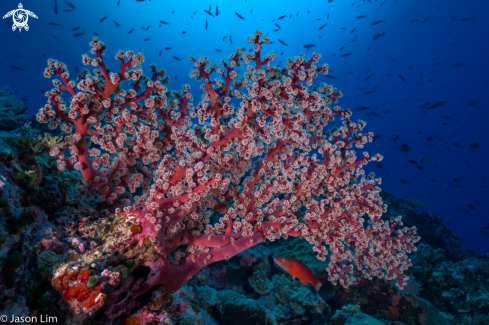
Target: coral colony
x=257, y=158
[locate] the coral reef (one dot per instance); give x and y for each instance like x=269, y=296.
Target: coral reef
x=140, y=152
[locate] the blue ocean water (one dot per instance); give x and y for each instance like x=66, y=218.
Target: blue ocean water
x=420, y=67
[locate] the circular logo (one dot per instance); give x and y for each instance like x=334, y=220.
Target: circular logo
x=20, y=18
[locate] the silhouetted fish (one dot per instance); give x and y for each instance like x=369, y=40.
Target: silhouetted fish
x=308, y=46
x=55, y=7
x=425, y=20
x=404, y=147
x=177, y=58
x=239, y=16
x=376, y=36
x=104, y=18
x=282, y=42
x=72, y=6
x=377, y=22
x=402, y=78
x=438, y=105
x=322, y=26
x=15, y=67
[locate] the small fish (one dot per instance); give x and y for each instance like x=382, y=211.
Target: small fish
x=382, y=4
x=15, y=67
x=177, y=58
x=78, y=34
x=55, y=7
x=404, y=147
x=361, y=108
x=341, y=48
x=452, y=44
x=471, y=207
x=239, y=16
x=160, y=53
x=54, y=36
x=377, y=22
x=457, y=65
x=102, y=20
x=381, y=166
x=281, y=17
x=467, y=19
x=420, y=167
x=308, y=46
x=132, y=30
x=218, y=50
x=322, y=26
x=209, y=13
x=75, y=28
x=95, y=33
x=206, y=24
x=402, y=78
x=362, y=16
x=168, y=48
x=217, y=13
x=376, y=36
x=117, y=24
x=231, y=39
x=164, y=22
x=413, y=162
x=475, y=145
x=437, y=105
x=373, y=114
x=425, y=20
x=403, y=181
x=353, y=30
x=72, y=6
x=67, y=10
x=278, y=26
x=147, y=39
x=346, y=54
x=184, y=32
x=282, y=42
x=368, y=77
x=457, y=145
x=54, y=24
x=413, y=21
x=299, y=270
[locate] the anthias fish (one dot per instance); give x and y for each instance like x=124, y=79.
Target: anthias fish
x=298, y=270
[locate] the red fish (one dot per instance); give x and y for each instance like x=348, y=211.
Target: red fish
x=298, y=270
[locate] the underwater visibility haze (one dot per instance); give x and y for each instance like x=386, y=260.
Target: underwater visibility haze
x=244, y=162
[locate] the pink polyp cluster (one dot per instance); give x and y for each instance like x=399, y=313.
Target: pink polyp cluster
x=257, y=158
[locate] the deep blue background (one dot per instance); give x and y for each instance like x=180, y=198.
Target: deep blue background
x=417, y=45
